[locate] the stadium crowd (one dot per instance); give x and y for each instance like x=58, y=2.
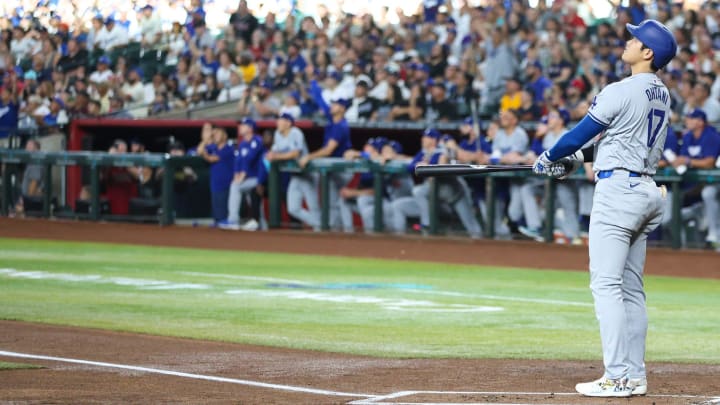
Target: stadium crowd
x=506, y=63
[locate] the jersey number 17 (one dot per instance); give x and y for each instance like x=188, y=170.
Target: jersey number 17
x=653, y=133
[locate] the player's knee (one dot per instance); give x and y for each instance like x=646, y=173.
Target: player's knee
x=709, y=193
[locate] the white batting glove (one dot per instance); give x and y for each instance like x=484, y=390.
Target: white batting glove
x=543, y=164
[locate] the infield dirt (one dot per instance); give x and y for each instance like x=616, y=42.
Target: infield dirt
x=71, y=383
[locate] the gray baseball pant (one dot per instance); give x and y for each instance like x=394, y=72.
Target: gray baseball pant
x=710, y=194
x=304, y=188
x=237, y=190
x=621, y=218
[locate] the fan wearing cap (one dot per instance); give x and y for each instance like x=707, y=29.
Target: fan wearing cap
x=440, y=108
x=221, y=156
x=537, y=82
x=133, y=91
x=247, y=167
x=57, y=115
x=336, y=140
x=363, y=108
x=150, y=27
x=632, y=115
x=112, y=35
x=102, y=73
x=700, y=149
x=289, y=144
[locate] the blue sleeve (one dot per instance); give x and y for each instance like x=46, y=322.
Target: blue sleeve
x=714, y=145
x=254, y=152
x=239, y=164
x=316, y=93
x=415, y=161
x=574, y=139
x=537, y=146
x=671, y=141
x=226, y=153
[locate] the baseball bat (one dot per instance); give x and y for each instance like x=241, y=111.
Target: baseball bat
x=465, y=170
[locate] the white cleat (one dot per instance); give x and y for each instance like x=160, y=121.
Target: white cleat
x=251, y=225
x=604, y=387
x=638, y=386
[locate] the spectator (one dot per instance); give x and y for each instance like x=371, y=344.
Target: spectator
x=57, y=115
x=102, y=74
x=260, y=103
x=440, y=108
x=225, y=70
x=75, y=58
x=112, y=36
x=243, y=22
x=412, y=109
x=247, y=68
x=220, y=155
x=528, y=111
x=363, y=108
x=511, y=100
x=133, y=91
x=700, y=98
x=500, y=64
x=233, y=90
x=150, y=27
x=537, y=82
x=291, y=105
x=9, y=112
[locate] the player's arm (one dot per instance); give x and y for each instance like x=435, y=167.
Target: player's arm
x=574, y=139
x=316, y=94
x=704, y=163
x=290, y=155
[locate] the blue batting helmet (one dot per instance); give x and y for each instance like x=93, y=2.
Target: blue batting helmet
x=657, y=37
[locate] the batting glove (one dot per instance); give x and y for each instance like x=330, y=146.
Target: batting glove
x=542, y=164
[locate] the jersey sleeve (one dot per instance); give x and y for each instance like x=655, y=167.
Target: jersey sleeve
x=685, y=145
x=607, y=105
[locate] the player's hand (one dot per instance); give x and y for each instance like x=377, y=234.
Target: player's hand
x=303, y=162
x=570, y=164
x=559, y=169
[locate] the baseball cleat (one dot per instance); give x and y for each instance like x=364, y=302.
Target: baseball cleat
x=229, y=225
x=637, y=386
x=605, y=387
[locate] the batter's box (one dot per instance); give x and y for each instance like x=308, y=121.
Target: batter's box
x=519, y=398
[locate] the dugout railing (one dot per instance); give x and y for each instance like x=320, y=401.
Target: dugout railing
x=324, y=168
x=94, y=161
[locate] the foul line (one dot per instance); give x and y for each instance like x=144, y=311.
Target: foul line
x=187, y=375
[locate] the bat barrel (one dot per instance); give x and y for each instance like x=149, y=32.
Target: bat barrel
x=465, y=170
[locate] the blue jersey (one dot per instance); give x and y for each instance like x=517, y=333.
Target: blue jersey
x=707, y=145
x=340, y=132
x=221, y=172
x=671, y=141
x=434, y=159
x=8, y=118
x=249, y=157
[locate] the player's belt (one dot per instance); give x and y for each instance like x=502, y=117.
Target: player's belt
x=604, y=174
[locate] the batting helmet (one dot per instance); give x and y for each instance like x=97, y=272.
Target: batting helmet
x=657, y=37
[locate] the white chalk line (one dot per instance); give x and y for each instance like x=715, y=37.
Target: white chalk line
x=366, y=399
x=185, y=375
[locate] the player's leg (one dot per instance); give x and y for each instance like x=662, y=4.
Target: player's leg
x=366, y=208
x=302, y=188
x=421, y=194
x=233, y=203
x=515, y=210
x=464, y=209
x=609, y=245
x=531, y=211
x=346, y=206
x=567, y=200
x=402, y=208
x=710, y=195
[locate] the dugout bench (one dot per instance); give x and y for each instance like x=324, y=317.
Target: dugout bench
x=94, y=161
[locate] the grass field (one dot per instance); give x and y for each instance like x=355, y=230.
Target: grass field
x=16, y=366
x=363, y=306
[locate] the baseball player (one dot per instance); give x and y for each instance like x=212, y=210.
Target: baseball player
x=547, y=134
x=336, y=141
x=362, y=197
x=247, y=167
x=633, y=115
x=419, y=203
x=220, y=155
x=289, y=143
x=700, y=149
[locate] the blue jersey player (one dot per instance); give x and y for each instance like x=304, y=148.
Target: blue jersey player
x=632, y=116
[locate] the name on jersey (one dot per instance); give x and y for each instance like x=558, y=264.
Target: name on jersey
x=657, y=93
